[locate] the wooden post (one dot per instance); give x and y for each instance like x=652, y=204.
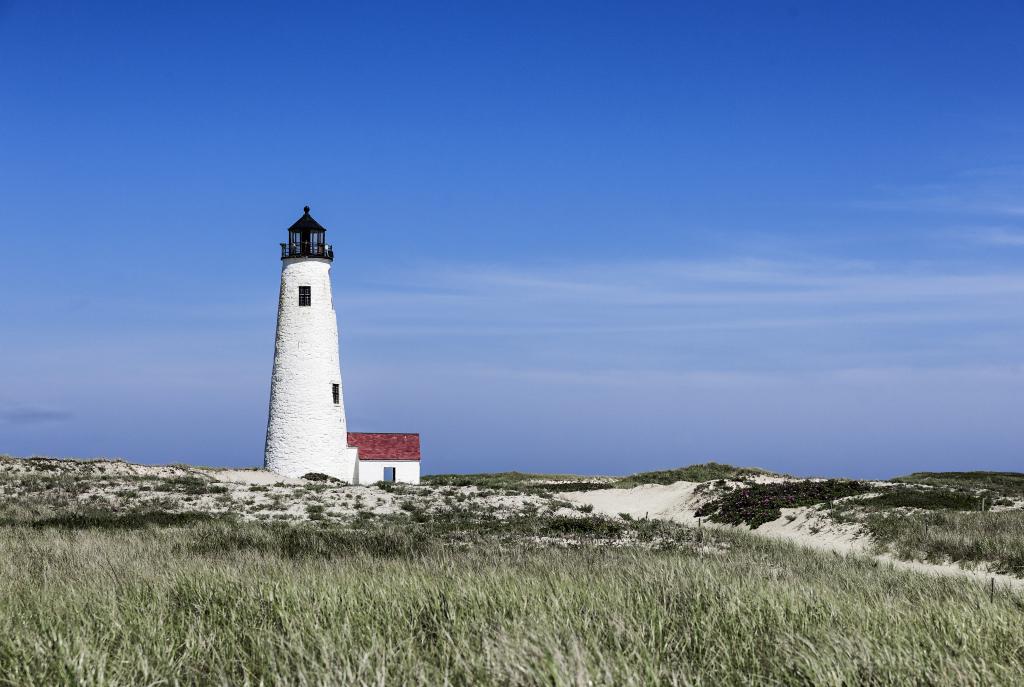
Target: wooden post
x=992, y=591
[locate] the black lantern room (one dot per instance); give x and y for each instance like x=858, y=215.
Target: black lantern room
x=306, y=239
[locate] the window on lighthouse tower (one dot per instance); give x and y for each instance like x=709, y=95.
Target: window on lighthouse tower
x=336, y=393
x=305, y=297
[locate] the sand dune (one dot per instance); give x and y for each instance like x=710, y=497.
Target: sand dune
x=806, y=526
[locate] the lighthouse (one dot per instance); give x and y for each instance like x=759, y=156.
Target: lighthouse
x=306, y=430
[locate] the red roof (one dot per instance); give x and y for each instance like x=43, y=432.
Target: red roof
x=385, y=445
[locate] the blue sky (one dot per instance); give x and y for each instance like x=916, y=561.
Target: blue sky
x=590, y=237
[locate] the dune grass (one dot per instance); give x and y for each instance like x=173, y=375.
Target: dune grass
x=947, y=535
x=1001, y=483
x=949, y=519
x=396, y=602
x=700, y=472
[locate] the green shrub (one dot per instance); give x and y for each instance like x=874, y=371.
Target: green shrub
x=761, y=503
x=321, y=477
x=929, y=499
x=49, y=464
x=569, y=485
x=190, y=484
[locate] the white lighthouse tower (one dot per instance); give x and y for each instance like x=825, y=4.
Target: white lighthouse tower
x=306, y=430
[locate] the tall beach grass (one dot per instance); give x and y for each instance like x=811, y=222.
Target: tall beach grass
x=219, y=603
x=995, y=539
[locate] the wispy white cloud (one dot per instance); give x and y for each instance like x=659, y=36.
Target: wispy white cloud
x=991, y=191
x=998, y=236
x=786, y=288
x=688, y=317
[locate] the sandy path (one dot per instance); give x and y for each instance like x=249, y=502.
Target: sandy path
x=803, y=526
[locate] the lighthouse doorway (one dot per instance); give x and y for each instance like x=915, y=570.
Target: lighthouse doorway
x=389, y=474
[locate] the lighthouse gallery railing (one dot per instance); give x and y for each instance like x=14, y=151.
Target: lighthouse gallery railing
x=307, y=250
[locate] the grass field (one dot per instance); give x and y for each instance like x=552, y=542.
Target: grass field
x=111, y=587
x=398, y=602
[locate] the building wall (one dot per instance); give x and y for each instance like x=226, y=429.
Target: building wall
x=407, y=471
x=306, y=431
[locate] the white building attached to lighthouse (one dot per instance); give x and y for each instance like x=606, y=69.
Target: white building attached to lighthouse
x=306, y=430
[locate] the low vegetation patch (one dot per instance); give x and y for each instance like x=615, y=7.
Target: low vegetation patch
x=927, y=499
x=106, y=520
x=321, y=477
x=761, y=503
x=1001, y=483
x=189, y=484
x=703, y=472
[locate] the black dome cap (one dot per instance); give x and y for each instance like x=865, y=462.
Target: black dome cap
x=306, y=223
